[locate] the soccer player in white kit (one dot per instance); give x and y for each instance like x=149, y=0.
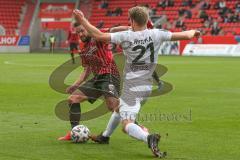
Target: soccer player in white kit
x=140, y=47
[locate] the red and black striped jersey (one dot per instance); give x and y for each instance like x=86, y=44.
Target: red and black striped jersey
x=99, y=58
x=73, y=36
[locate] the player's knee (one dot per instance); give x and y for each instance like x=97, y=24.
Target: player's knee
x=71, y=99
x=124, y=128
x=124, y=125
x=74, y=99
x=112, y=104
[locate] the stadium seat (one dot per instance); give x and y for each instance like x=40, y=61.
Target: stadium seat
x=172, y=14
x=10, y=14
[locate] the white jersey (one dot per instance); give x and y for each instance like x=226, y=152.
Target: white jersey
x=141, y=50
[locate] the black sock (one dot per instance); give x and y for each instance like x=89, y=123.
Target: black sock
x=73, y=60
x=155, y=76
x=74, y=114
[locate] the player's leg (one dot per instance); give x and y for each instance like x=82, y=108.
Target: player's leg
x=72, y=47
x=104, y=137
x=142, y=126
x=50, y=49
x=128, y=111
x=75, y=108
x=129, y=107
x=72, y=56
x=112, y=124
x=87, y=91
x=111, y=88
x=112, y=104
x=157, y=79
x=152, y=140
x=115, y=119
x=74, y=101
x=135, y=131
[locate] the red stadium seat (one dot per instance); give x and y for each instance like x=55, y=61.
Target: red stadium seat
x=171, y=12
x=10, y=14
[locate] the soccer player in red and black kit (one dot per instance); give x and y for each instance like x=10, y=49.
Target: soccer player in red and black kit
x=106, y=81
x=73, y=40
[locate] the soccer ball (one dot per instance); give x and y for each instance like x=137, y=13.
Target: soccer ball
x=80, y=134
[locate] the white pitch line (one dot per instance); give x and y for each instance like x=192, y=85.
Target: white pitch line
x=28, y=65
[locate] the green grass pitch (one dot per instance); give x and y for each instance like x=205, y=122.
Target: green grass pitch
x=208, y=86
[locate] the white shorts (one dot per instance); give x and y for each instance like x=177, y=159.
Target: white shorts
x=131, y=98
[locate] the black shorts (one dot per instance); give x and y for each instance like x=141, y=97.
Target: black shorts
x=73, y=47
x=101, y=85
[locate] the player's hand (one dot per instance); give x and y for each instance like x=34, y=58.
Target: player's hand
x=66, y=42
x=79, y=16
x=71, y=89
x=194, y=33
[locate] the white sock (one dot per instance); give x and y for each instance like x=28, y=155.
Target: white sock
x=112, y=124
x=135, y=131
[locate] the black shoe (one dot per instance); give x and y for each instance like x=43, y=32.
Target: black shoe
x=153, y=140
x=100, y=139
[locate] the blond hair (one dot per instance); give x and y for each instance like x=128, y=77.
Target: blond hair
x=139, y=15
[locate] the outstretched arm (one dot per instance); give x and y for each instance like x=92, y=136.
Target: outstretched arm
x=185, y=35
x=93, y=31
x=119, y=29
x=83, y=76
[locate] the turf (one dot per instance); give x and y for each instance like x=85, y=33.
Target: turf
x=205, y=102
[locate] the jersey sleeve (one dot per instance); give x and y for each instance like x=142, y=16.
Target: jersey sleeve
x=163, y=35
x=118, y=37
x=105, y=30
